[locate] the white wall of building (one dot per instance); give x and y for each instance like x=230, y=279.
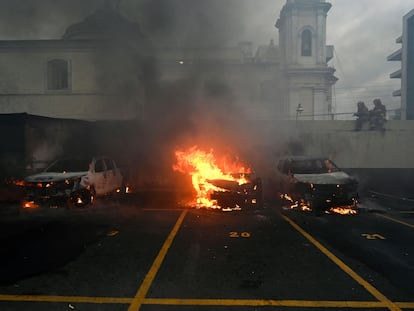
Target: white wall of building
x=23, y=85
x=310, y=79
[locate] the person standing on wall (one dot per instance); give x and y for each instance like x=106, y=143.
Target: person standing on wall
x=362, y=115
x=377, y=116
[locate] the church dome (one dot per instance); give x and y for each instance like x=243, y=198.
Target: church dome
x=105, y=23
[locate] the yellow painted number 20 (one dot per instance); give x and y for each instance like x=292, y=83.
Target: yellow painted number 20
x=235, y=234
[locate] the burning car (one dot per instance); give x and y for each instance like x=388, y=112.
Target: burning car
x=72, y=180
x=316, y=183
x=220, y=183
x=232, y=195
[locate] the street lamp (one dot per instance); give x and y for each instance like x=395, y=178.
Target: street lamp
x=299, y=109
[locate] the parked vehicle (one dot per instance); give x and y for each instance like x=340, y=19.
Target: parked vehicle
x=315, y=182
x=76, y=181
x=232, y=195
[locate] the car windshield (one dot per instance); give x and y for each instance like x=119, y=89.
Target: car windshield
x=313, y=166
x=69, y=165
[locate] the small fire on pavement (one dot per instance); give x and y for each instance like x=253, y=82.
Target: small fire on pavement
x=29, y=204
x=296, y=204
x=343, y=210
x=205, y=167
x=303, y=206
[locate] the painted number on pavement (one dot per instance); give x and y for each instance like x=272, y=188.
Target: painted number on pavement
x=373, y=236
x=235, y=234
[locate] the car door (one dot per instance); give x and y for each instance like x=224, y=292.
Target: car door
x=111, y=178
x=100, y=177
x=284, y=178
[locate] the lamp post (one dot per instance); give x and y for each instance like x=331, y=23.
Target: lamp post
x=299, y=110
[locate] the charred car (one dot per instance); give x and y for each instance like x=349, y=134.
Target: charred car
x=316, y=182
x=234, y=195
x=73, y=180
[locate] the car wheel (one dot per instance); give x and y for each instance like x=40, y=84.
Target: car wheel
x=92, y=195
x=313, y=204
x=82, y=197
x=317, y=211
x=316, y=208
x=123, y=189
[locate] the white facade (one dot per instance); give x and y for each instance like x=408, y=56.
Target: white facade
x=24, y=81
x=305, y=55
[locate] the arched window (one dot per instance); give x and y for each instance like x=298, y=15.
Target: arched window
x=57, y=74
x=306, y=43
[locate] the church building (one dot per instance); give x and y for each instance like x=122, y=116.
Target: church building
x=106, y=68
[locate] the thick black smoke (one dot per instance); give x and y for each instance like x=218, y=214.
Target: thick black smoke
x=197, y=23
x=199, y=108
x=190, y=22
x=41, y=19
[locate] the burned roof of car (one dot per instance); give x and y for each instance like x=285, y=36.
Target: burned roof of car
x=302, y=158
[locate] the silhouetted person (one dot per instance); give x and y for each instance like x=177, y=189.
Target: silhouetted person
x=377, y=116
x=362, y=115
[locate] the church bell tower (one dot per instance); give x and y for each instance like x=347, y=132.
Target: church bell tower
x=305, y=57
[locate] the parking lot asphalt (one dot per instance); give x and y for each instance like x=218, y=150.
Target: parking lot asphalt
x=134, y=254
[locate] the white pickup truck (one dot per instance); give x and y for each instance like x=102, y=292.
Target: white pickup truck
x=76, y=181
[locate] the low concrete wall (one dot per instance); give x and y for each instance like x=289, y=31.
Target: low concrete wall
x=381, y=161
x=392, y=148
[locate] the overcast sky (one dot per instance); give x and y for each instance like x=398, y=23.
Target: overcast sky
x=363, y=32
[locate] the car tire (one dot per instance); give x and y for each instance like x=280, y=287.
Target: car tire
x=92, y=195
x=313, y=204
x=123, y=189
x=82, y=197
x=316, y=208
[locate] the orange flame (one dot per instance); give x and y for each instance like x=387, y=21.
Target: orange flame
x=29, y=204
x=344, y=210
x=203, y=167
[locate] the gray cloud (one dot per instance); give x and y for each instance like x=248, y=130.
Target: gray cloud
x=364, y=33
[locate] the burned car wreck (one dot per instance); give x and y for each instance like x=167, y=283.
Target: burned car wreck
x=316, y=183
x=233, y=195
x=225, y=183
x=73, y=181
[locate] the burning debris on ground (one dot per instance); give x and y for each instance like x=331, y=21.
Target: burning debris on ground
x=224, y=183
x=305, y=207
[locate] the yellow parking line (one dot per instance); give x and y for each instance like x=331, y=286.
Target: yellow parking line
x=405, y=305
x=371, y=289
x=73, y=299
x=264, y=303
x=149, y=278
x=396, y=220
x=139, y=299
x=207, y=302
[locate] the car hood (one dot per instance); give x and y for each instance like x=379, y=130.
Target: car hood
x=336, y=178
x=51, y=176
x=224, y=184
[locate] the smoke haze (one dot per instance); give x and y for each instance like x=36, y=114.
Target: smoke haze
x=200, y=108
x=196, y=107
